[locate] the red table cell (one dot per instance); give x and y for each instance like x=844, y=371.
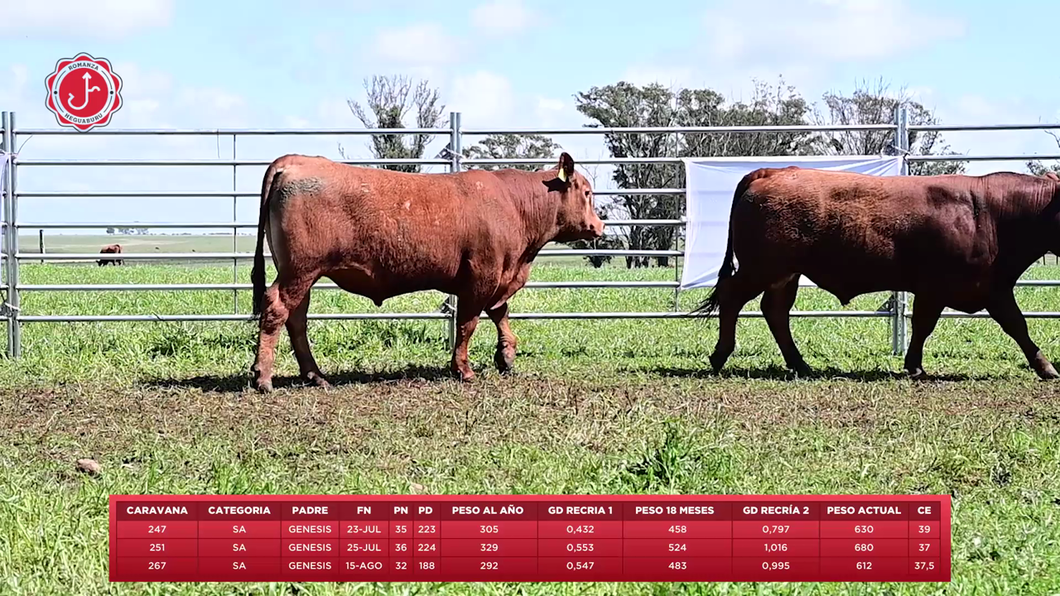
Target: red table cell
x=775, y=529
x=486, y=547
x=427, y=529
x=928, y=547
x=488, y=569
x=579, y=568
x=873, y=569
x=864, y=547
x=403, y=567
x=579, y=529
x=157, y=529
x=925, y=567
x=924, y=529
x=156, y=568
x=777, y=547
x=364, y=548
x=324, y=547
x=426, y=548
x=864, y=529
x=489, y=529
x=366, y=569
x=240, y=529
x=363, y=529
x=239, y=569
x=310, y=568
x=310, y=529
x=579, y=547
x=427, y=566
x=632, y=547
x=169, y=547
x=670, y=569
x=255, y=547
x=402, y=528
x=665, y=529
x=771, y=569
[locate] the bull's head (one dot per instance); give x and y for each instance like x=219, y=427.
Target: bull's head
x=576, y=218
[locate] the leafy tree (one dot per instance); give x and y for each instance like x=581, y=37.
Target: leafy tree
x=627, y=105
x=390, y=99
x=1036, y=166
x=512, y=146
x=877, y=105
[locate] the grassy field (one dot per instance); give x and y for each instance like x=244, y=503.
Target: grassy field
x=594, y=407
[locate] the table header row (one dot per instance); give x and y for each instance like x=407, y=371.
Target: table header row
x=527, y=510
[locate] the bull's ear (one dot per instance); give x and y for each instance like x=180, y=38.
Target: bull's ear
x=566, y=167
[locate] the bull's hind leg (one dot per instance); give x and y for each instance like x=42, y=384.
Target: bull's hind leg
x=297, y=327
x=504, y=357
x=776, y=308
x=732, y=294
x=1006, y=312
x=281, y=297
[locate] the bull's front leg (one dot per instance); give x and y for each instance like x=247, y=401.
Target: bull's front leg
x=467, y=314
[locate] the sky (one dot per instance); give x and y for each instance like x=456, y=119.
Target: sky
x=501, y=63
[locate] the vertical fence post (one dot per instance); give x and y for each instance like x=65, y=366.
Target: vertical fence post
x=14, y=332
x=899, y=300
x=5, y=146
x=455, y=152
x=235, y=234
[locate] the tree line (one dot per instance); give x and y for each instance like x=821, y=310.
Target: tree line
x=391, y=100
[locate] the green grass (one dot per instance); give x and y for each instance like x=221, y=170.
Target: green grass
x=594, y=407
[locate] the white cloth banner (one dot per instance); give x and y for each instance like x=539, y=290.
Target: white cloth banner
x=709, y=187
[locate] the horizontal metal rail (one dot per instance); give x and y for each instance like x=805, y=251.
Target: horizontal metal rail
x=982, y=157
x=202, y=256
x=979, y=127
x=319, y=286
x=170, y=132
x=359, y=316
x=230, y=225
x=448, y=131
x=220, y=194
x=211, y=162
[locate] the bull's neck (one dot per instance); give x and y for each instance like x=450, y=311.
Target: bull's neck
x=538, y=208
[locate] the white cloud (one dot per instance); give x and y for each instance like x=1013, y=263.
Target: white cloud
x=501, y=17
x=976, y=109
x=421, y=44
x=71, y=19
x=828, y=31
x=484, y=98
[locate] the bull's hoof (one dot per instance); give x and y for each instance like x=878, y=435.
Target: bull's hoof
x=717, y=362
x=504, y=360
x=1047, y=373
x=463, y=373
x=317, y=380
x=801, y=369
x=916, y=374
x=264, y=386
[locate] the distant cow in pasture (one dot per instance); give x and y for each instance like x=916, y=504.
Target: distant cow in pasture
x=380, y=233
x=110, y=249
x=952, y=241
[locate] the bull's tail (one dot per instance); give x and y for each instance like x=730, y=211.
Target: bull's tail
x=710, y=305
x=257, y=273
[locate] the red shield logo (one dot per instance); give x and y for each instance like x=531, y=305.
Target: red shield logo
x=83, y=92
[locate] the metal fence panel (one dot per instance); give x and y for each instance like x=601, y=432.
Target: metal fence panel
x=898, y=312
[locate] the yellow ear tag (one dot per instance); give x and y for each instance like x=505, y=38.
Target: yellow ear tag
x=562, y=175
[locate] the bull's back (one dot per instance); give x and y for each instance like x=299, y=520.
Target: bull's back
x=898, y=231
x=415, y=230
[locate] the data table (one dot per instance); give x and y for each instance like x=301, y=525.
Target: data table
x=544, y=538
